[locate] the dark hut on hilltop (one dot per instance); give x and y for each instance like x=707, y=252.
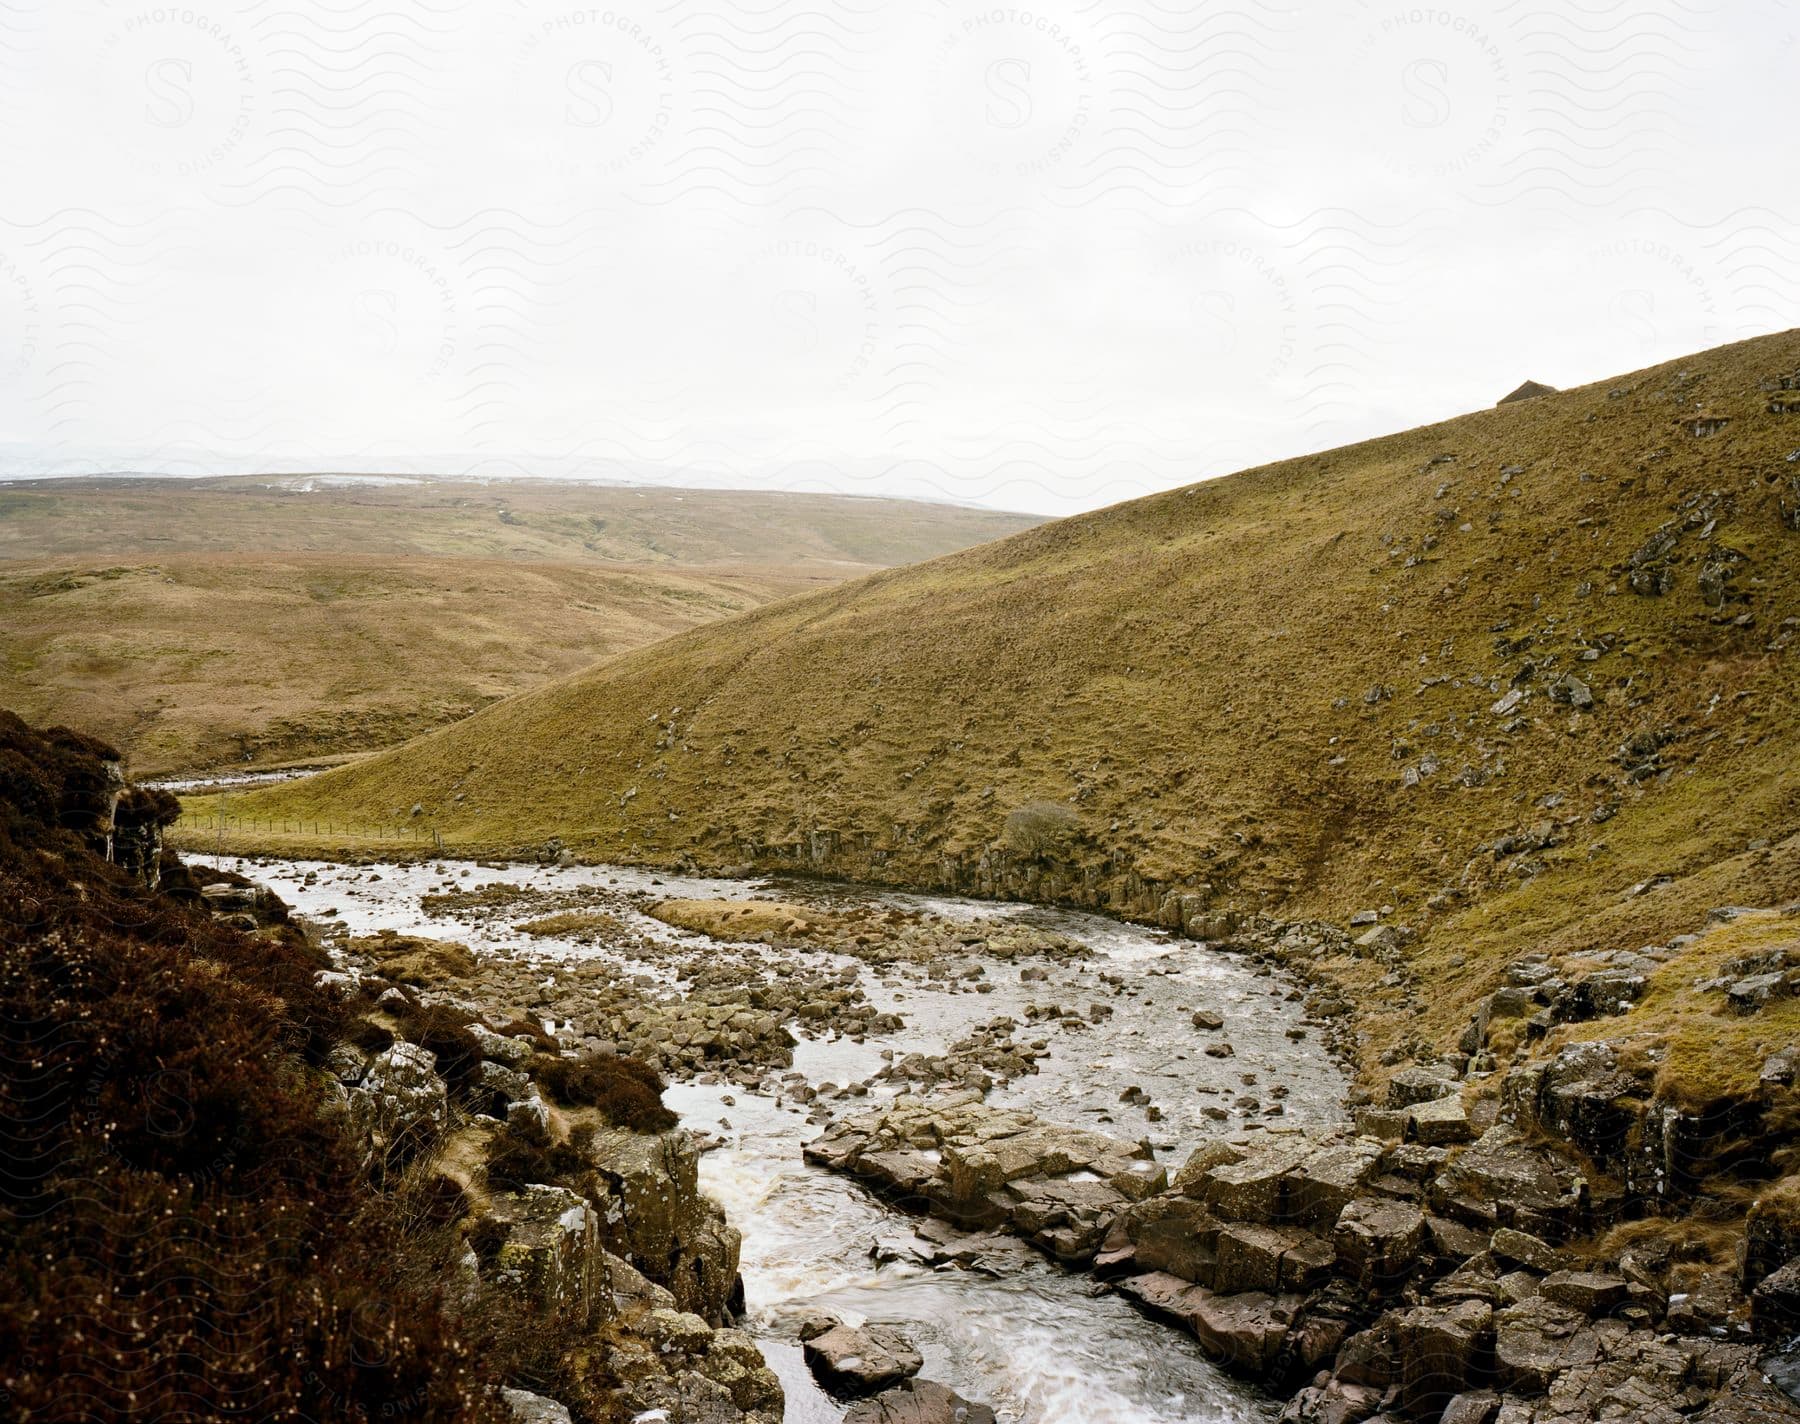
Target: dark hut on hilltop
x=1529, y=391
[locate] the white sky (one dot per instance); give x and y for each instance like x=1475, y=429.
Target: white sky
x=1044, y=259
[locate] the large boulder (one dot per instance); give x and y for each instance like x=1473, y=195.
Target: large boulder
x=1775, y=1303
x=1245, y=1332
x=549, y=1257
x=1536, y=1340
x=1444, y=1351
x=1581, y=1096
x=1299, y=1178
x=852, y=1362
x=1503, y=1177
x=1378, y=1240
x=1174, y=1234
x=918, y=1402
x=1333, y=1403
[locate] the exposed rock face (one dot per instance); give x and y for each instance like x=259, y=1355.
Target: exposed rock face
x=549, y=1257
x=671, y=1361
x=401, y=1105
x=980, y=1166
x=656, y=1214
x=1428, y=1281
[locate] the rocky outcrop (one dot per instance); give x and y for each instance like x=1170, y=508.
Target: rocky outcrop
x=653, y=1212
x=1059, y=1187
x=1373, y=1279
x=918, y=1402
x=401, y=1105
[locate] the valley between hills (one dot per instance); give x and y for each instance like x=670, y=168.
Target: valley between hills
x=1317, y=945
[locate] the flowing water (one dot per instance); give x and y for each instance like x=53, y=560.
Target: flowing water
x=1038, y=1344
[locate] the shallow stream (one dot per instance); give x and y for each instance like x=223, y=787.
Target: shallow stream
x=1038, y=1344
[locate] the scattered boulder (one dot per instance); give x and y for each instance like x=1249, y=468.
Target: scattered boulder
x=852, y=1362
x=527, y=1408
x=918, y=1402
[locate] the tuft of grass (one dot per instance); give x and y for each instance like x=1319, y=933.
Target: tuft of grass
x=574, y=922
x=414, y=959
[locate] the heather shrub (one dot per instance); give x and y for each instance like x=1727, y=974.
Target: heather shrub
x=522, y=1153
x=184, y=1231
x=627, y=1092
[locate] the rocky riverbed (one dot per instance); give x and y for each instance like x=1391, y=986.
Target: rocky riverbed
x=985, y=1155
x=771, y=1038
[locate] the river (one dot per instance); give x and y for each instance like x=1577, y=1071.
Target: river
x=1038, y=1344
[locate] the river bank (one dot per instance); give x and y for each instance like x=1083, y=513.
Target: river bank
x=1030, y=1339
x=811, y=1020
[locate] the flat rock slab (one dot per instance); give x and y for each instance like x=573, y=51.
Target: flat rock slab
x=1244, y=1332
x=985, y=1167
x=918, y=1402
x=851, y=1362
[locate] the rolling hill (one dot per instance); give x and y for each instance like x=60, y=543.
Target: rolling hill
x=1495, y=674
x=251, y=622
x=485, y=519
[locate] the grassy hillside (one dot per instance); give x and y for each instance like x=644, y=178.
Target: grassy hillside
x=212, y=622
x=1493, y=672
x=501, y=519
x=206, y=661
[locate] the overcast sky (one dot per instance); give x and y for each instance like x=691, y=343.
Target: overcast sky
x=1037, y=258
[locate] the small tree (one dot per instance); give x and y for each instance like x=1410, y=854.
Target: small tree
x=1041, y=829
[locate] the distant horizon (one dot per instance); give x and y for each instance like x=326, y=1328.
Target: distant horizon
x=220, y=466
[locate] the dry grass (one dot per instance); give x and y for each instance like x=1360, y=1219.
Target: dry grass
x=738, y=919
x=1228, y=682
x=1704, y=1052
x=415, y=960
x=536, y=520
x=202, y=662
x=200, y=623
x=575, y=922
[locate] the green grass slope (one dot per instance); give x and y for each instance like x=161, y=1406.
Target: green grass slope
x=1329, y=683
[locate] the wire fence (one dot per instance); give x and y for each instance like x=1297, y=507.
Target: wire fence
x=205, y=833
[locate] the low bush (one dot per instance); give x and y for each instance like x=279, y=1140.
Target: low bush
x=627, y=1092
x=523, y=1153
x=1041, y=829
x=184, y=1230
